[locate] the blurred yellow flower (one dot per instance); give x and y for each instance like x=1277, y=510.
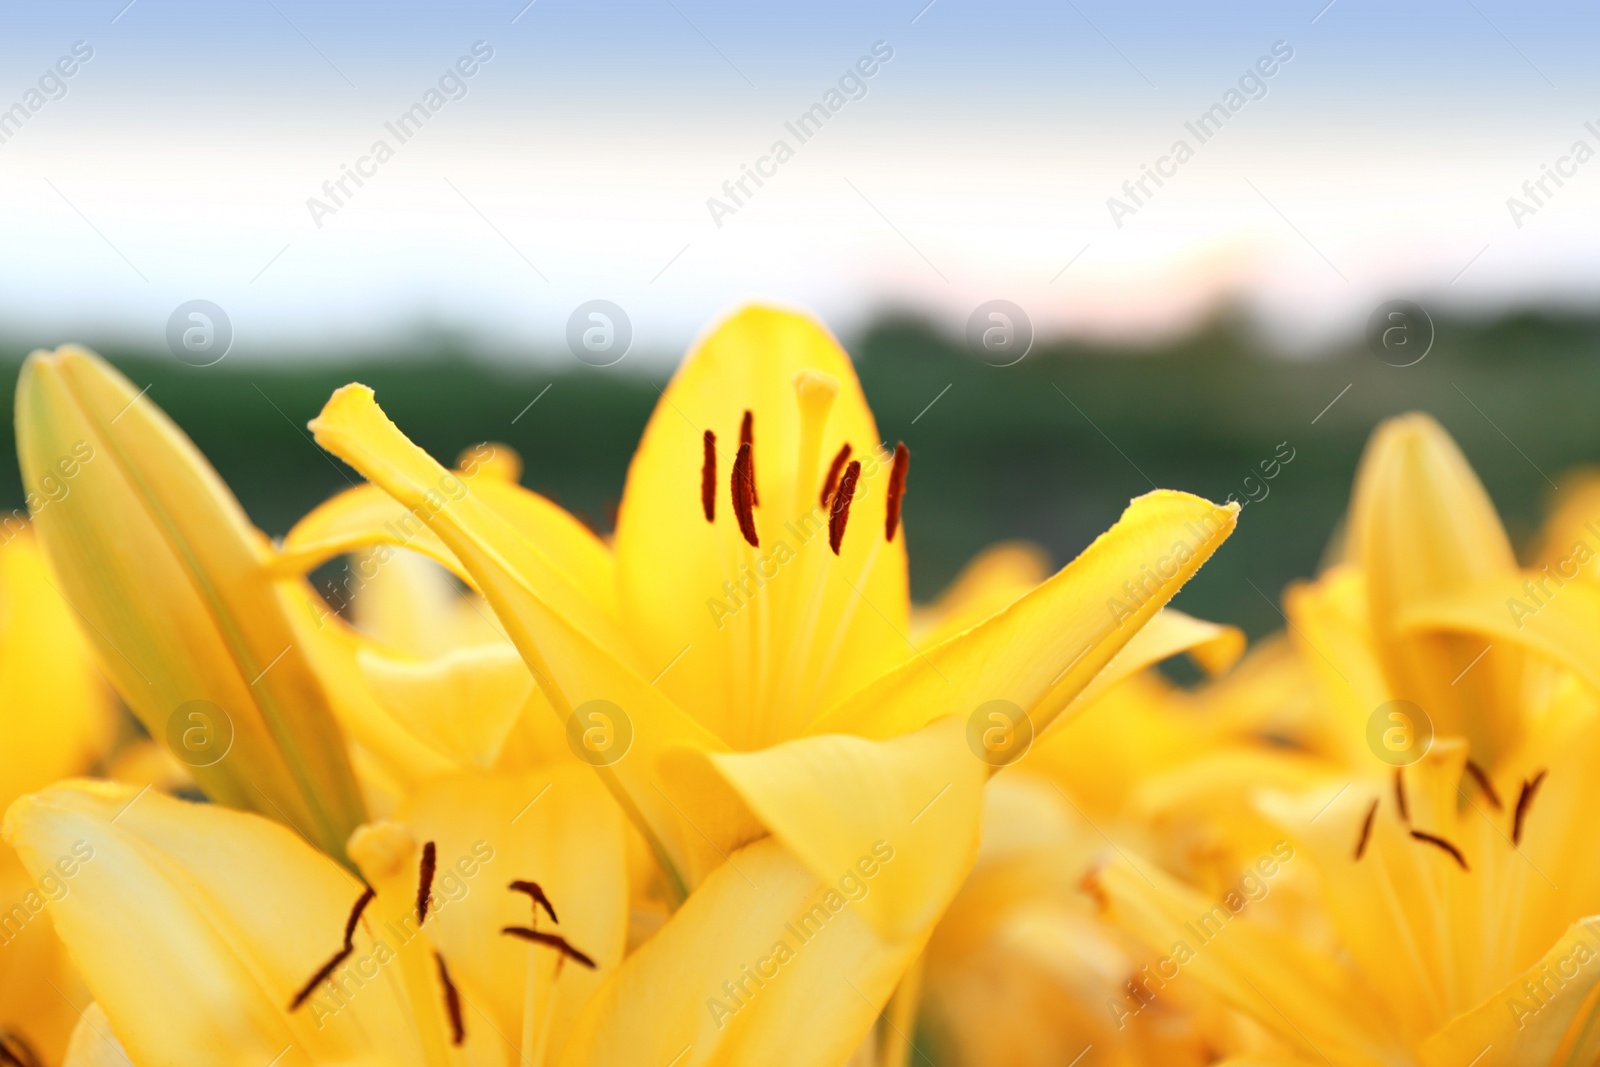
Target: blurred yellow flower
x=56, y=721
x=1460, y=905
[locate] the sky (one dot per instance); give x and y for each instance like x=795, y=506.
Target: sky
x=593, y=153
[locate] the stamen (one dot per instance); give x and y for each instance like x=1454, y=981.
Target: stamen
x=841, y=505
x=555, y=941
x=1366, y=831
x=430, y=857
x=747, y=436
x=338, y=957
x=1440, y=842
x=452, y=1003
x=534, y=890
x=1484, y=784
x=1529, y=788
x=1400, y=796
x=708, y=478
x=1090, y=883
x=743, y=498
x=833, y=474
x=897, y=489
x=15, y=1052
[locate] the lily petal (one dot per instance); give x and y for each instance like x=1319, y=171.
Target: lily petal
x=763, y=964
x=1213, y=646
x=1563, y=625
x=1513, y=1029
x=462, y=704
x=93, y=1043
x=57, y=712
x=1042, y=651
x=990, y=580
x=366, y=515
x=832, y=798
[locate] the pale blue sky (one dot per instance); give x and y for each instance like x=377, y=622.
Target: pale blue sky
x=179, y=162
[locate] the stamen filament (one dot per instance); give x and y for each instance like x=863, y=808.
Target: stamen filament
x=339, y=957
x=452, y=1003
x=1366, y=830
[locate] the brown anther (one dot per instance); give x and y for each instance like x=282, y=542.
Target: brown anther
x=743, y=500
x=747, y=436
x=15, y=1052
x=897, y=489
x=1525, y=798
x=1484, y=784
x=708, y=478
x=534, y=890
x=1400, y=796
x=555, y=941
x=430, y=857
x=338, y=957
x=840, y=512
x=1366, y=830
x=1090, y=883
x=834, y=468
x=452, y=1003
x=1439, y=842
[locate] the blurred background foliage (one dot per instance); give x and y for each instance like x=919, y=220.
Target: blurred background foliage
x=1050, y=449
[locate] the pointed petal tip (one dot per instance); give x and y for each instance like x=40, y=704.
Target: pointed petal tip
x=83, y=795
x=352, y=395
x=1227, y=512
x=71, y=352
x=492, y=459
x=770, y=321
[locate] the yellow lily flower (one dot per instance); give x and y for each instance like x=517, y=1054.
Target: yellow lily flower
x=1460, y=908
x=178, y=598
x=213, y=936
x=761, y=712
x=56, y=721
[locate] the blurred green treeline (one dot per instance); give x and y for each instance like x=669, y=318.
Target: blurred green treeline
x=1050, y=449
